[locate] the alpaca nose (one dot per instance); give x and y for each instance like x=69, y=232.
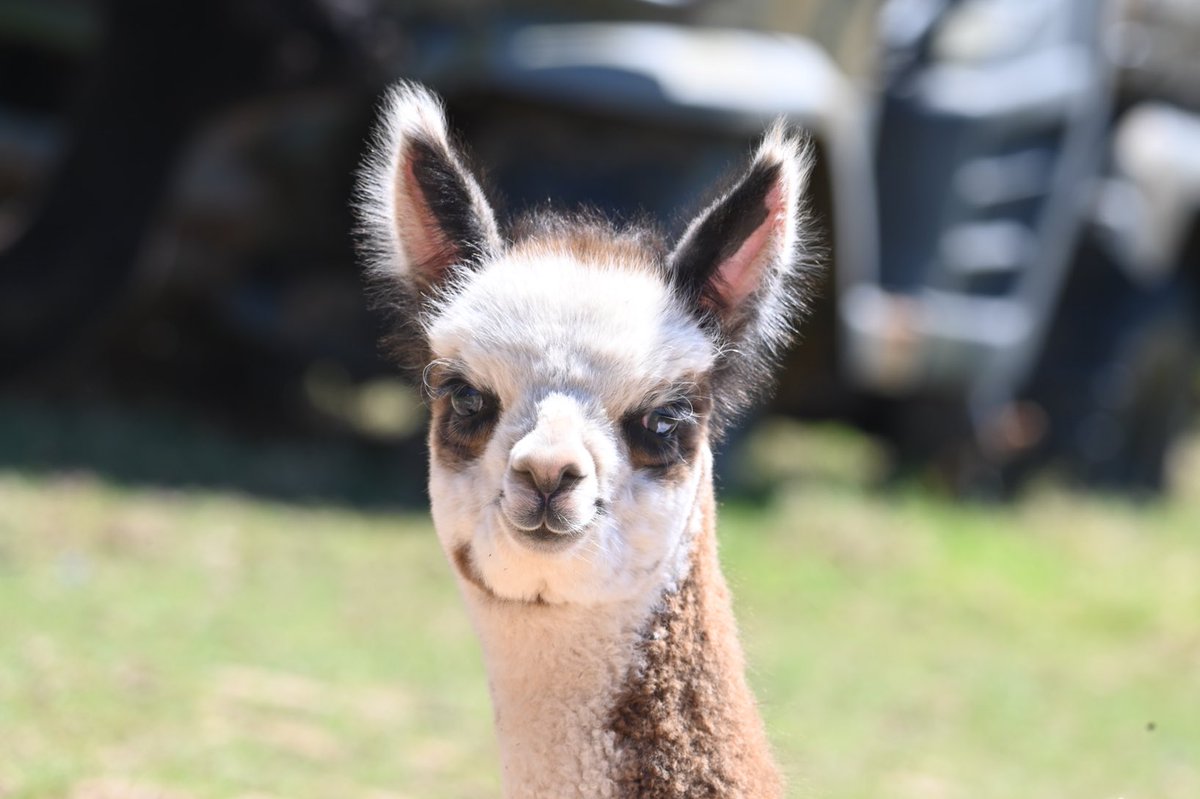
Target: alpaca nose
x=550, y=484
x=548, y=473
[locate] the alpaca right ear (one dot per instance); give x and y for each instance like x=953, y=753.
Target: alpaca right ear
x=423, y=213
x=740, y=267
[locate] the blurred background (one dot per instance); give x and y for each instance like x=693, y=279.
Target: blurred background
x=981, y=454
x=1006, y=195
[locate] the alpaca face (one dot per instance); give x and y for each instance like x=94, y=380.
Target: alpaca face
x=574, y=373
x=569, y=415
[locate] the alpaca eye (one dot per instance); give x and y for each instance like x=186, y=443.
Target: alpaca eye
x=466, y=400
x=663, y=436
x=663, y=421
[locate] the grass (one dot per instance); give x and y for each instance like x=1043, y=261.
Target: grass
x=188, y=644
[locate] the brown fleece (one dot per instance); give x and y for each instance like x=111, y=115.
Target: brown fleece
x=686, y=722
x=457, y=442
x=589, y=239
x=465, y=564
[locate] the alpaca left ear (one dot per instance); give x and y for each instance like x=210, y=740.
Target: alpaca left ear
x=735, y=258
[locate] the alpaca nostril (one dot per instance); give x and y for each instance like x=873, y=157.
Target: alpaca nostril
x=570, y=477
x=532, y=480
x=550, y=481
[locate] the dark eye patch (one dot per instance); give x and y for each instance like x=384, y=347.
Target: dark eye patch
x=459, y=439
x=659, y=453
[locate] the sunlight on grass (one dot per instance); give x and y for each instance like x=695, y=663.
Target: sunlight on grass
x=225, y=646
x=184, y=645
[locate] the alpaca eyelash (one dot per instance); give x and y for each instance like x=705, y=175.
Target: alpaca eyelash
x=447, y=387
x=428, y=389
x=685, y=412
x=682, y=398
x=451, y=376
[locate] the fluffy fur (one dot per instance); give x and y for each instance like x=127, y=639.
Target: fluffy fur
x=576, y=376
x=683, y=715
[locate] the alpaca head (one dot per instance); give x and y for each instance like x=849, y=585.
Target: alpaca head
x=576, y=373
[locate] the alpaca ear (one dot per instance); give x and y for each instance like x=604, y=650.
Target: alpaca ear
x=740, y=267
x=423, y=214
x=734, y=261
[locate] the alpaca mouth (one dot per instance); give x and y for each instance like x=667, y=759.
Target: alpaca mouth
x=542, y=527
x=542, y=538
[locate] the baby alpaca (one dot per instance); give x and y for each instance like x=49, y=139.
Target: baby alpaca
x=577, y=375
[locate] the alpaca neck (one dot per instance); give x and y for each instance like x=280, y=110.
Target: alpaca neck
x=642, y=698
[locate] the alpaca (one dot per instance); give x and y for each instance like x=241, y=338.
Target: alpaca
x=577, y=374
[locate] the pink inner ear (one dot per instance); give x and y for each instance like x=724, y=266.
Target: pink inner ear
x=739, y=275
x=428, y=251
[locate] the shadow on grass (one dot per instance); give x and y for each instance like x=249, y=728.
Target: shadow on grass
x=171, y=449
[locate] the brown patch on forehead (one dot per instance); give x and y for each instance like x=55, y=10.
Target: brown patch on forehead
x=589, y=240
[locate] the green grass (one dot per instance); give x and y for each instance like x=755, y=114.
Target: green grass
x=202, y=644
